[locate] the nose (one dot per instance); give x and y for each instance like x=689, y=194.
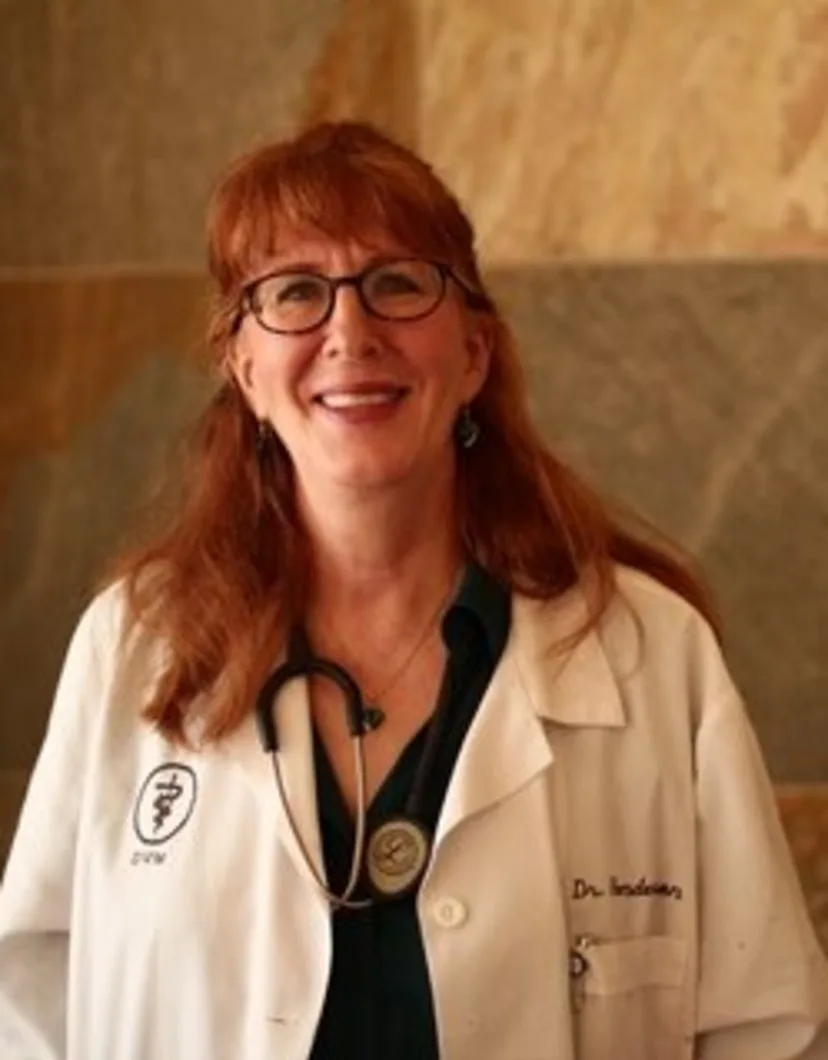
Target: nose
x=351, y=331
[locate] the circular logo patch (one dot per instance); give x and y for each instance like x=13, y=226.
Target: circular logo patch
x=165, y=803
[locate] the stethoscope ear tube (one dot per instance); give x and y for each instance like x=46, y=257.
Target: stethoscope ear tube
x=302, y=663
x=265, y=717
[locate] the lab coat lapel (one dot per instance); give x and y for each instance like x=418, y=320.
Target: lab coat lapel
x=504, y=748
x=295, y=757
x=572, y=686
x=534, y=683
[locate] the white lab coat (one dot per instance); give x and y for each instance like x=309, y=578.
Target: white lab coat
x=612, y=803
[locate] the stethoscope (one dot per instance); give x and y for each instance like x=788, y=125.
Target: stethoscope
x=395, y=854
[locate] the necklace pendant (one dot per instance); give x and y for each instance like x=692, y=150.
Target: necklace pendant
x=372, y=717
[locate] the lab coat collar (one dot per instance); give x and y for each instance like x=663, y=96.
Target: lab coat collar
x=534, y=682
x=574, y=686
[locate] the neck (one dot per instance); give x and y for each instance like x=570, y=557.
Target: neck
x=381, y=559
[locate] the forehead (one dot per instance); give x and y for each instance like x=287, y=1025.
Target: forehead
x=308, y=249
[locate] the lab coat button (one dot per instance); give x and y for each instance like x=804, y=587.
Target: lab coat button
x=450, y=912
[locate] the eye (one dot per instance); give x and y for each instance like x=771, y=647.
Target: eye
x=290, y=301
x=398, y=279
x=296, y=289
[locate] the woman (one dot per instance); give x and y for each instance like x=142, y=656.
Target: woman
x=570, y=847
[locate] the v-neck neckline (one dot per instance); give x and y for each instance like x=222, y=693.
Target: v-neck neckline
x=390, y=796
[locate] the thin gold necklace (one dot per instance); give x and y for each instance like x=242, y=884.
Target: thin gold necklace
x=373, y=713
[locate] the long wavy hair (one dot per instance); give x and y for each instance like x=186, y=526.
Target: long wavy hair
x=223, y=581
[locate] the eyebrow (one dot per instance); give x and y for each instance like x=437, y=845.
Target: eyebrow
x=317, y=268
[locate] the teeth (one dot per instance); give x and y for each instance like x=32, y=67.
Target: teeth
x=346, y=401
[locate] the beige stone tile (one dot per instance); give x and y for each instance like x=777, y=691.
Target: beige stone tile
x=98, y=387
x=69, y=341
x=117, y=118
x=369, y=68
x=572, y=128
x=602, y=128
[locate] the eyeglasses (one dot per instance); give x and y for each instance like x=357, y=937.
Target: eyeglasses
x=296, y=302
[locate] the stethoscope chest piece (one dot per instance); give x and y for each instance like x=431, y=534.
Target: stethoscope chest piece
x=396, y=856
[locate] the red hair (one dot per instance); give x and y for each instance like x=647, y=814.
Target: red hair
x=222, y=584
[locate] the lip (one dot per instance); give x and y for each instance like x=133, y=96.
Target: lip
x=361, y=411
x=378, y=386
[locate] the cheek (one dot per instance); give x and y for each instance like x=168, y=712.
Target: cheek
x=439, y=351
x=277, y=374
x=268, y=379
x=447, y=365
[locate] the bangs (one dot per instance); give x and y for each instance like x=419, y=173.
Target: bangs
x=347, y=192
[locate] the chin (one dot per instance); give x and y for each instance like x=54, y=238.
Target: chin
x=369, y=478
x=369, y=473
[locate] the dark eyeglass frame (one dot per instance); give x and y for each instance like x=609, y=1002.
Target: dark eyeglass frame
x=474, y=299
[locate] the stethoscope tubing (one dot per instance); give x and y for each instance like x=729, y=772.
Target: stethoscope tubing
x=303, y=664
x=337, y=901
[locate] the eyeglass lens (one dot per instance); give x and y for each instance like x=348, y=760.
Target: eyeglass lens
x=299, y=301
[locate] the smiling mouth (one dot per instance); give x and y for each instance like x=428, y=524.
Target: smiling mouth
x=360, y=399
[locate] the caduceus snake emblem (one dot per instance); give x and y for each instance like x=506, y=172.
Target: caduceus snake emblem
x=168, y=791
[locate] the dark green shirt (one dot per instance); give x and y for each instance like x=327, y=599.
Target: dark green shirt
x=379, y=1002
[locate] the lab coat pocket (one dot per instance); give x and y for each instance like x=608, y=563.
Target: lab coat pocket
x=629, y=998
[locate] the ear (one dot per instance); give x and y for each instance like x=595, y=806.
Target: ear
x=238, y=365
x=480, y=344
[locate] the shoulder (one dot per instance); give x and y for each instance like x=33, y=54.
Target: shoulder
x=111, y=669
x=670, y=641
x=103, y=620
x=639, y=606
x=108, y=639
x=89, y=667
x=658, y=612
x=649, y=640
x=655, y=602
x=99, y=630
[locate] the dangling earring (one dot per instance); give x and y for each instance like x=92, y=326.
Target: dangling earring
x=467, y=429
x=262, y=438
